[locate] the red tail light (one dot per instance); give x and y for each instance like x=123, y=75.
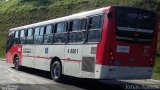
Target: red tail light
x=151, y=61
x=111, y=59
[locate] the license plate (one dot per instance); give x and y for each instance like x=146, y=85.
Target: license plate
x=123, y=49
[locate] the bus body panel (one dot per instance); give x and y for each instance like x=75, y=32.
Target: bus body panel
x=28, y=54
x=72, y=60
x=14, y=50
x=56, y=51
x=118, y=72
x=88, y=61
x=42, y=61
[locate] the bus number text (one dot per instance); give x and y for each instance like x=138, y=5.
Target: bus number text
x=73, y=51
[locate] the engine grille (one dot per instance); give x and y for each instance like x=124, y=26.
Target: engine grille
x=88, y=64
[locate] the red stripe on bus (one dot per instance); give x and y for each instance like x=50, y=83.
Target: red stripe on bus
x=66, y=59
x=71, y=60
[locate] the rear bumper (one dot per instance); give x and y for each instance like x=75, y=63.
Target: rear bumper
x=117, y=72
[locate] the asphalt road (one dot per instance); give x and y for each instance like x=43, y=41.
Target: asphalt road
x=31, y=79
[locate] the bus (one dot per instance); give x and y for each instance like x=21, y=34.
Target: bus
x=114, y=42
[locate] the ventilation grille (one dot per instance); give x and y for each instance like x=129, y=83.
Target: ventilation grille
x=88, y=64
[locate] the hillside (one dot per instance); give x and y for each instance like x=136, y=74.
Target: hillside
x=15, y=13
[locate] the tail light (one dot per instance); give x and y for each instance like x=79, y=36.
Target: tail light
x=111, y=59
x=151, y=61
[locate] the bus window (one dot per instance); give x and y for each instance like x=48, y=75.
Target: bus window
x=16, y=38
x=41, y=30
x=48, y=35
x=134, y=25
x=10, y=40
x=22, y=36
x=95, y=26
x=17, y=34
x=48, y=29
x=22, y=33
x=61, y=34
x=79, y=24
x=61, y=27
x=38, y=35
x=36, y=32
x=29, y=38
x=78, y=33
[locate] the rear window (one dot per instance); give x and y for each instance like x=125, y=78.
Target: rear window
x=134, y=24
x=135, y=18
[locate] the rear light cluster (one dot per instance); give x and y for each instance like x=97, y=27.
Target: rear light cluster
x=113, y=61
x=151, y=62
x=112, y=58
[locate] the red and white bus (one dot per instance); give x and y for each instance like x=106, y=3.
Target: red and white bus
x=113, y=42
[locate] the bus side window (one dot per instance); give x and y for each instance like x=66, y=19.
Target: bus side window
x=48, y=35
x=29, y=38
x=77, y=33
x=22, y=37
x=38, y=35
x=10, y=40
x=61, y=35
x=94, y=29
x=16, y=38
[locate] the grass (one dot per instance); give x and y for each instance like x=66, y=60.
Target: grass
x=156, y=73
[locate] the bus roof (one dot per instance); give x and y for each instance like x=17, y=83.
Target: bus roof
x=74, y=16
x=71, y=17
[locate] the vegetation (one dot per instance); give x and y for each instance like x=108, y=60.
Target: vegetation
x=156, y=74
x=14, y=13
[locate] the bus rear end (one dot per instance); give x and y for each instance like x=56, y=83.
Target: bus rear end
x=130, y=44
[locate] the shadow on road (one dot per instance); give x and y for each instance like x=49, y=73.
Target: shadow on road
x=72, y=83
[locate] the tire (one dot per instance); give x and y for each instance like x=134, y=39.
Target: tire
x=16, y=63
x=56, y=71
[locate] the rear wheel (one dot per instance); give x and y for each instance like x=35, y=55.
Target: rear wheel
x=16, y=63
x=56, y=71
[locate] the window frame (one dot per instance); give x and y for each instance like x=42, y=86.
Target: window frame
x=77, y=31
x=32, y=35
x=17, y=38
x=35, y=35
x=10, y=39
x=90, y=29
x=66, y=31
x=21, y=33
x=79, y=19
x=66, y=24
x=24, y=36
x=51, y=33
x=52, y=29
x=35, y=31
x=18, y=34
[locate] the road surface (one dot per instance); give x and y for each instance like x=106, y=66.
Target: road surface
x=31, y=79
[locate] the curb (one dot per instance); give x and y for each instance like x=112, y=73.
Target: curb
x=2, y=59
x=154, y=80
